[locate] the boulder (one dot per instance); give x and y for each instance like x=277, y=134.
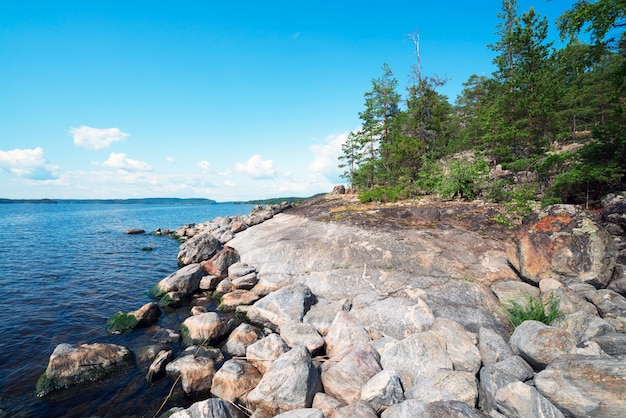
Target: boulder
x=198, y=248
x=614, y=209
x=539, y=344
x=236, y=298
x=240, y=269
x=327, y=404
x=246, y=282
x=234, y=380
x=135, y=231
x=446, y=385
x=611, y=306
x=177, y=286
x=383, y=390
x=157, y=368
x=302, y=413
x=519, y=400
x=288, y=304
x=166, y=336
x=584, y=386
x=196, y=374
x=357, y=409
x=345, y=332
x=321, y=314
x=241, y=337
x=493, y=348
x=463, y=352
x=514, y=291
x=209, y=408
x=344, y=375
x=296, y=333
x=209, y=282
x=71, y=365
x=496, y=376
x=412, y=408
x=562, y=240
x=290, y=382
x=206, y=328
x=417, y=357
x=262, y=353
x=612, y=343
x=219, y=263
x=339, y=189
x=147, y=315
x=584, y=326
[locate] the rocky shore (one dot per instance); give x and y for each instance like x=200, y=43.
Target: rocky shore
x=335, y=309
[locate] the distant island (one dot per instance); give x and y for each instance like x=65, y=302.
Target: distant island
x=149, y=200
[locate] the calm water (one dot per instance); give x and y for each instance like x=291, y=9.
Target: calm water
x=64, y=270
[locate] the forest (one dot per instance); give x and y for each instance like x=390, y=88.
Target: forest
x=547, y=126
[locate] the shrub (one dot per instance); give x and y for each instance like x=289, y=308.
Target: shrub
x=533, y=308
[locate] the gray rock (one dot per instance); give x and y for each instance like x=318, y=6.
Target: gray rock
x=295, y=333
x=224, y=286
x=166, y=336
x=612, y=343
x=614, y=209
x=239, y=340
x=209, y=408
x=231, y=300
x=446, y=385
x=539, y=344
x=289, y=383
x=417, y=357
x=571, y=302
x=206, y=328
x=196, y=374
x=612, y=307
x=177, y=286
x=240, y=269
x=198, y=248
x=157, y=368
x=518, y=400
x=262, y=353
x=412, y=408
x=345, y=332
x=321, y=315
x=463, y=352
x=382, y=390
x=234, y=380
x=327, y=404
x=70, y=365
x=583, y=326
x=246, y=282
x=209, y=282
x=302, y=413
x=219, y=263
x=493, y=348
x=496, y=376
x=288, y=304
x=343, y=376
x=357, y=409
x=514, y=291
x=583, y=386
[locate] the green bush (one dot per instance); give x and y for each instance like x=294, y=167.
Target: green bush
x=533, y=308
x=464, y=179
x=381, y=194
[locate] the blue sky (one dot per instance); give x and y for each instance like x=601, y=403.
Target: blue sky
x=223, y=100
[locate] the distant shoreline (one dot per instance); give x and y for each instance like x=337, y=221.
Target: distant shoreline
x=157, y=200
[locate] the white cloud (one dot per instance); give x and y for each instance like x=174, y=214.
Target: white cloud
x=257, y=168
x=28, y=163
x=122, y=162
x=170, y=160
x=94, y=138
x=326, y=156
x=205, y=166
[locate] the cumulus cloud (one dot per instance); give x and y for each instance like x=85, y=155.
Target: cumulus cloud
x=122, y=162
x=28, y=163
x=258, y=168
x=326, y=156
x=205, y=166
x=94, y=138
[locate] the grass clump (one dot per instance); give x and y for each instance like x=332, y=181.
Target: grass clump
x=533, y=308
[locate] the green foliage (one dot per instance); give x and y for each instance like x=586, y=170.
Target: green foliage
x=464, y=179
x=381, y=194
x=533, y=308
x=121, y=322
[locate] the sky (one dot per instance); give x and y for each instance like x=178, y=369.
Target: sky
x=228, y=101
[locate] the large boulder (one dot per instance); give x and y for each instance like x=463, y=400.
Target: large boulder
x=296, y=333
x=562, y=241
x=614, y=209
x=218, y=264
x=196, y=374
x=496, y=376
x=290, y=383
x=74, y=364
x=539, y=344
x=412, y=408
x=212, y=407
x=234, y=380
x=241, y=337
x=203, y=329
x=147, y=315
x=460, y=347
x=344, y=332
x=492, y=346
x=383, y=390
x=611, y=306
x=199, y=248
x=288, y=304
x=263, y=352
x=519, y=400
x=585, y=386
x=178, y=286
x=446, y=385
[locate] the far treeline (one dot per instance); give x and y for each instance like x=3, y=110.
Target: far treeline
x=549, y=123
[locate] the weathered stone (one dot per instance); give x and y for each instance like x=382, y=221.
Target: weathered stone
x=212, y=353
x=166, y=336
x=209, y=282
x=382, y=390
x=199, y=310
x=496, y=376
x=224, y=286
x=241, y=337
x=327, y=404
x=206, y=328
x=345, y=332
x=612, y=343
x=209, y=408
x=382, y=344
x=357, y=409
x=417, y=357
x=246, y=282
x=614, y=209
x=339, y=189
x=157, y=368
x=70, y=365
x=612, y=307
x=262, y=353
x=539, y=344
x=589, y=348
x=238, y=297
x=518, y=400
x=463, y=352
x=562, y=240
x=570, y=301
x=412, y=408
x=219, y=263
x=240, y=269
x=302, y=413
x=288, y=304
x=196, y=374
x=547, y=285
x=289, y=383
x=198, y=249
x=343, y=378
x=295, y=333
x=514, y=291
x=493, y=348
x=321, y=315
x=446, y=385
x=178, y=285
x=234, y=380
x=147, y=315
x=583, y=386
x=583, y=326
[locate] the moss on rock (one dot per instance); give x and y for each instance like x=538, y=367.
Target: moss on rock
x=121, y=322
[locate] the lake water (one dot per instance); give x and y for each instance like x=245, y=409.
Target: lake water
x=64, y=270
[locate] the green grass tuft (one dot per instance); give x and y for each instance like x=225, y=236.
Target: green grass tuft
x=533, y=308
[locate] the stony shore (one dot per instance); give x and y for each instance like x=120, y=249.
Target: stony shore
x=335, y=309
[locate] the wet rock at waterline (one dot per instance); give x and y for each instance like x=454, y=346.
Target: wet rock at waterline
x=147, y=315
x=178, y=286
